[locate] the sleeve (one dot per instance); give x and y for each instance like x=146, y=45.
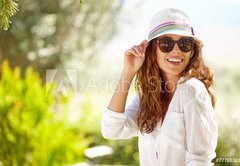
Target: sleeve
x=116, y=125
x=201, y=130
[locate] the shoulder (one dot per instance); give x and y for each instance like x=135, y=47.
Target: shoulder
x=194, y=91
x=193, y=86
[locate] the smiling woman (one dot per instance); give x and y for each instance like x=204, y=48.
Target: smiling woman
x=172, y=114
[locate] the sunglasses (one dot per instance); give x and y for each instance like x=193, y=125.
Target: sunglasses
x=166, y=44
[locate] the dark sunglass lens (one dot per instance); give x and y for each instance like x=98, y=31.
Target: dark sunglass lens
x=166, y=45
x=185, y=44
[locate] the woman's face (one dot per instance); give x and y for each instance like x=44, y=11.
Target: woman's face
x=174, y=62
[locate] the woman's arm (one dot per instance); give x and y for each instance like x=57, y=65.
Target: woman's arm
x=117, y=122
x=201, y=128
x=117, y=125
x=119, y=97
x=133, y=60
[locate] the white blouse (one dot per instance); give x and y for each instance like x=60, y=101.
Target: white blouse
x=187, y=137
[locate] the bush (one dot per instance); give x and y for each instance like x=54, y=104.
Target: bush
x=31, y=131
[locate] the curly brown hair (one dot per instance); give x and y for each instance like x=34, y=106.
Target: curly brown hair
x=154, y=98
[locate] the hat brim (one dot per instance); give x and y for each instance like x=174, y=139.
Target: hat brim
x=173, y=32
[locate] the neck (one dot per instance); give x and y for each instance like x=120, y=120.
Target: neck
x=171, y=83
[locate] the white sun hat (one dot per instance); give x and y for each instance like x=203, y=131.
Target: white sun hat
x=170, y=21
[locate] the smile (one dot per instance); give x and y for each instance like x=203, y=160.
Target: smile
x=174, y=60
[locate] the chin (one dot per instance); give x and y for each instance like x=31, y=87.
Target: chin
x=173, y=72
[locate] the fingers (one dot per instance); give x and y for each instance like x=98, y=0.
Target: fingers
x=138, y=50
x=131, y=52
x=144, y=44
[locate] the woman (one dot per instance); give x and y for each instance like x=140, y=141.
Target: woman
x=172, y=115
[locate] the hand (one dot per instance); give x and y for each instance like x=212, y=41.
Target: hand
x=134, y=57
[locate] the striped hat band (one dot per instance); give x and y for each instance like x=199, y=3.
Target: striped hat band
x=167, y=27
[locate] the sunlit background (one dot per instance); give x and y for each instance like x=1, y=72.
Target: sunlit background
x=50, y=113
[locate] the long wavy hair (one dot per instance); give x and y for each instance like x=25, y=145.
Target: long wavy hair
x=154, y=98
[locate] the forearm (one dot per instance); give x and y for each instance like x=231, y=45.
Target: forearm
x=118, y=100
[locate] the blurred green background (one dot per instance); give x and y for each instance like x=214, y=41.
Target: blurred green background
x=59, y=65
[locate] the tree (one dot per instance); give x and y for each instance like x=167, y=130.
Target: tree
x=7, y=9
x=49, y=34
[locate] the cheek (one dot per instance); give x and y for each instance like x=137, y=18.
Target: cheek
x=160, y=60
x=187, y=57
x=160, y=55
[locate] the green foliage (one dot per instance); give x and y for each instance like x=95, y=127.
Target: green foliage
x=53, y=34
x=228, y=95
x=32, y=133
x=7, y=9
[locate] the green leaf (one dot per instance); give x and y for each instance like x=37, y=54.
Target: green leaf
x=8, y=8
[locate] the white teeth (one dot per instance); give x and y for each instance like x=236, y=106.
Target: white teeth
x=174, y=60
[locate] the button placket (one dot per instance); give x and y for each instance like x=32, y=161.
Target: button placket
x=158, y=145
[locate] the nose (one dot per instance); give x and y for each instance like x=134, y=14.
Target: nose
x=176, y=49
